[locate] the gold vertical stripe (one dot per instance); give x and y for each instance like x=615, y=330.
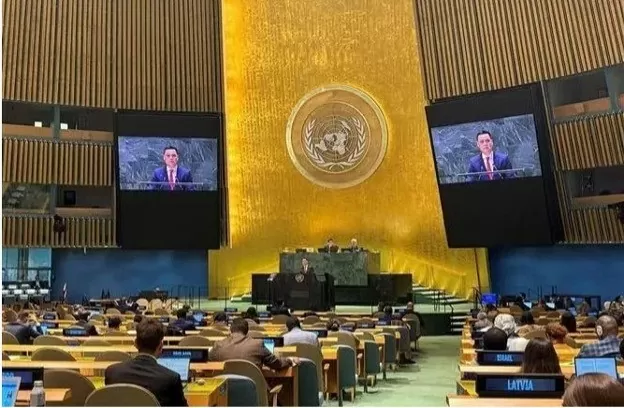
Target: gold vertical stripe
x=572, y=150
x=139, y=54
x=520, y=41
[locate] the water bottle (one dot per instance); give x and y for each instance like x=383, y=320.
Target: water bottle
x=37, y=395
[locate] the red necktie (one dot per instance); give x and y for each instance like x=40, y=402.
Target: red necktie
x=171, y=180
x=488, y=167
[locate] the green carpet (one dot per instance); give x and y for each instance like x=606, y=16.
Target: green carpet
x=425, y=383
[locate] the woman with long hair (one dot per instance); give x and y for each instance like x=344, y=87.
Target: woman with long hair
x=540, y=357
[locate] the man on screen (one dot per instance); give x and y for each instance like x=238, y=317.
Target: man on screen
x=488, y=163
x=171, y=177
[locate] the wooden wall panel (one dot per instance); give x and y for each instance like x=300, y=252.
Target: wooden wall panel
x=597, y=225
x=588, y=143
x=37, y=231
x=47, y=161
x=133, y=54
x=470, y=46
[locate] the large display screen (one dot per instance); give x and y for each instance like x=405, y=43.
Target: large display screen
x=167, y=164
x=496, y=149
x=168, y=180
x=492, y=160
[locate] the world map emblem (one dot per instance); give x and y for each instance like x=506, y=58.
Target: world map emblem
x=337, y=136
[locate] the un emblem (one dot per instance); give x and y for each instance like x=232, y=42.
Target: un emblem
x=336, y=136
x=299, y=278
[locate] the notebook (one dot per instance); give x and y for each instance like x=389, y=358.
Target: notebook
x=179, y=365
x=604, y=365
x=10, y=387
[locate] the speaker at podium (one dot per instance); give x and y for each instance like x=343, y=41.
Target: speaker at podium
x=299, y=291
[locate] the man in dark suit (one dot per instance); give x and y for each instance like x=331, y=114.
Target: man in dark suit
x=488, y=162
x=331, y=246
x=23, y=329
x=144, y=370
x=238, y=345
x=181, y=322
x=171, y=176
x=306, y=267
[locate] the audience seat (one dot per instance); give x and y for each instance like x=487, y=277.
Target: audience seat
x=314, y=354
x=309, y=383
x=247, y=369
x=121, y=395
x=241, y=391
x=52, y=354
x=96, y=342
x=81, y=387
x=347, y=371
x=310, y=320
x=211, y=333
x=279, y=319
x=113, y=355
x=9, y=338
x=390, y=352
x=49, y=341
x=113, y=311
x=195, y=341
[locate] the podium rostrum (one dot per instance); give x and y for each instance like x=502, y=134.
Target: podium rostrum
x=313, y=291
x=347, y=268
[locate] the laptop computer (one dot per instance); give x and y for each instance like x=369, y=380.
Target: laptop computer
x=10, y=388
x=604, y=365
x=271, y=342
x=179, y=365
x=27, y=376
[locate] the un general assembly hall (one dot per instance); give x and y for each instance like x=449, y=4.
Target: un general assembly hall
x=313, y=203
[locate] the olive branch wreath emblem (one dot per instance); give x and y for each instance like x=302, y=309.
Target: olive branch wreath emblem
x=353, y=158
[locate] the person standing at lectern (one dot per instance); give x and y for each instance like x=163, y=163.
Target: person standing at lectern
x=488, y=162
x=306, y=267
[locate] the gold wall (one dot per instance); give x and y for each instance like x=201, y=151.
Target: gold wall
x=478, y=45
x=275, y=52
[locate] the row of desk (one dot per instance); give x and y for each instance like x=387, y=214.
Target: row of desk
x=466, y=395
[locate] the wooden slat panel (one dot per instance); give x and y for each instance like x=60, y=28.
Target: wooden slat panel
x=591, y=142
x=43, y=161
x=37, y=231
x=520, y=41
x=134, y=54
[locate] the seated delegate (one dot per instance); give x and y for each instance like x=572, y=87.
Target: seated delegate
x=23, y=328
x=608, y=343
x=507, y=323
x=144, y=370
x=296, y=335
x=594, y=390
x=495, y=340
x=540, y=357
x=239, y=345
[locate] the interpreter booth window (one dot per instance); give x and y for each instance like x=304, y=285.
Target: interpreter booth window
x=27, y=265
x=592, y=93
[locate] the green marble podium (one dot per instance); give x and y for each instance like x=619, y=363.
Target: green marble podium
x=347, y=268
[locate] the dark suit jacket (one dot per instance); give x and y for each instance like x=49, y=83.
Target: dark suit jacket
x=237, y=346
x=144, y=371
x=183, y=324
x=310, y=269
x=501, y=162
x=183, y=175
x=23, y=333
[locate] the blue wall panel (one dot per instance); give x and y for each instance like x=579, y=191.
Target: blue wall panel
x=125, y=272
x=574, y=269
